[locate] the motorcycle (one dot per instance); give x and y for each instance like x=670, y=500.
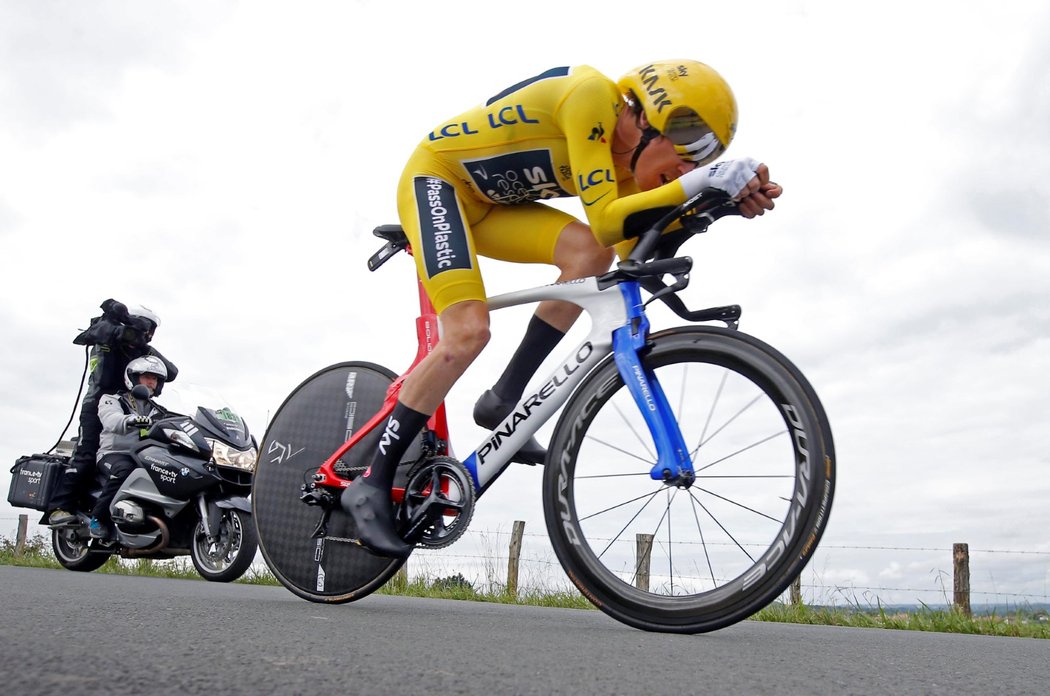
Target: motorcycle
x=187, y=496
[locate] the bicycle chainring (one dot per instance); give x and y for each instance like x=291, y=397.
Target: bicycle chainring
x=438, y=502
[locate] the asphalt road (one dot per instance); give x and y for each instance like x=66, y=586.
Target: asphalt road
x=72, y=633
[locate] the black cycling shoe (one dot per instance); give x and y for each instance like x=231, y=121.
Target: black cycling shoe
x=490, y=410
x=373, y=516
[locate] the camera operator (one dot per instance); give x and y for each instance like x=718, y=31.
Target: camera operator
x=116, y=338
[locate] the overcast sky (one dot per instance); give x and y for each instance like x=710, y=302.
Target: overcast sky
x=224, y=164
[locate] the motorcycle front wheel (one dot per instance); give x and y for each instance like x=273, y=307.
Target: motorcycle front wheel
x=232, y=551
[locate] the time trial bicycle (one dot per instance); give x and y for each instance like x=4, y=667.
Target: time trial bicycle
x=687, y=483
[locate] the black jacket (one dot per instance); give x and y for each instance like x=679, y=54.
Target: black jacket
x=115, y=344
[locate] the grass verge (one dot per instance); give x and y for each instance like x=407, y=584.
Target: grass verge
x=38, y=554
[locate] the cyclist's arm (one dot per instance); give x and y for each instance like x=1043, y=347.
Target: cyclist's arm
x=608, y=209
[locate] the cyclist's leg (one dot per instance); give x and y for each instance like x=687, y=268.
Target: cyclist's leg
x=436, y=226
x=440, y=221
x=535, y=233
x=577, y=254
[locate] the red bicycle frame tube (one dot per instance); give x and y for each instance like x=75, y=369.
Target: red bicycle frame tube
x=426, y=337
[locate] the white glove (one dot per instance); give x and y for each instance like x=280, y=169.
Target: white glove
x=730, y=176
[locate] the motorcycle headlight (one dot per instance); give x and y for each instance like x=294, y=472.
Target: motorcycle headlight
x=225, y=455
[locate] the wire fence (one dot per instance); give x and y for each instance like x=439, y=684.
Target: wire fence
x=861, y=576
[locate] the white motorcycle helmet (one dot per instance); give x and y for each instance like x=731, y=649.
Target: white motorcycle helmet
x=146, y=365
x=147, y=314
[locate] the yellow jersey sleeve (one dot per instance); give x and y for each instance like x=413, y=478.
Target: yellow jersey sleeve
x=590, y=107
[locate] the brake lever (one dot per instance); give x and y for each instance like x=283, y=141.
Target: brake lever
x=729, y=314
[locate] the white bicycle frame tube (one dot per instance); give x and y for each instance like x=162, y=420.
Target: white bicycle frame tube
x=607, y=310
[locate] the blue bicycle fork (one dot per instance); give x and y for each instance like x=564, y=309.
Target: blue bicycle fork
x=672, y=456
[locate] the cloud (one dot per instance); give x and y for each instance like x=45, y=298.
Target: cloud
x=65, y=60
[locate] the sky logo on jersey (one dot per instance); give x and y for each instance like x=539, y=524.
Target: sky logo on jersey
x=516, y=177
x=442, y=234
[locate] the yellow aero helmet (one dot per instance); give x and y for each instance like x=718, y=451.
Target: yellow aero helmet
x=687, y=102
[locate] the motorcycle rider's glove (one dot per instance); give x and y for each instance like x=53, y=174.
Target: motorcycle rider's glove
x=133, y=422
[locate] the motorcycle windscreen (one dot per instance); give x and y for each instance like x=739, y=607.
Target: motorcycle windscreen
x=224, y=424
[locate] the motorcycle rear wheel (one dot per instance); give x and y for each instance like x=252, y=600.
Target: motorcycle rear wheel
x=73, y=553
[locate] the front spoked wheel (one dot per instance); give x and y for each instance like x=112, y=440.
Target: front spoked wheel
x=693, y=557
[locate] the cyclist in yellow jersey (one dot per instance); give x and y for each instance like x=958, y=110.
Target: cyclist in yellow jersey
x=475, y=186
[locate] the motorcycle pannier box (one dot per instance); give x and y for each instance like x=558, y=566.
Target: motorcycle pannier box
x=33, y=480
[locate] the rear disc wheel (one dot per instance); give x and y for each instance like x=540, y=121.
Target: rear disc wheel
x=319, y=416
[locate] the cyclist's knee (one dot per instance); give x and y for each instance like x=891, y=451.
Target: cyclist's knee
x=468, y=340
x=578, y=254
x=465, y=330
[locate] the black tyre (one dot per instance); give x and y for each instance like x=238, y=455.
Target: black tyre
x=231, y=554
x=310, y=425
x=729, y=544
x=70, y=545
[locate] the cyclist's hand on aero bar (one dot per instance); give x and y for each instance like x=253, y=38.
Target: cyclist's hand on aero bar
x=760, y=194
x=745, y=180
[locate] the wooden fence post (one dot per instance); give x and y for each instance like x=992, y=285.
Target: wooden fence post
x=796, y=592
x=513, y=556
x=20, y=539
x=961, y=563
x=643, y=553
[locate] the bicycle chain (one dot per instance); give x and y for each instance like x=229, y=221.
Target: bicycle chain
x=346, y=471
